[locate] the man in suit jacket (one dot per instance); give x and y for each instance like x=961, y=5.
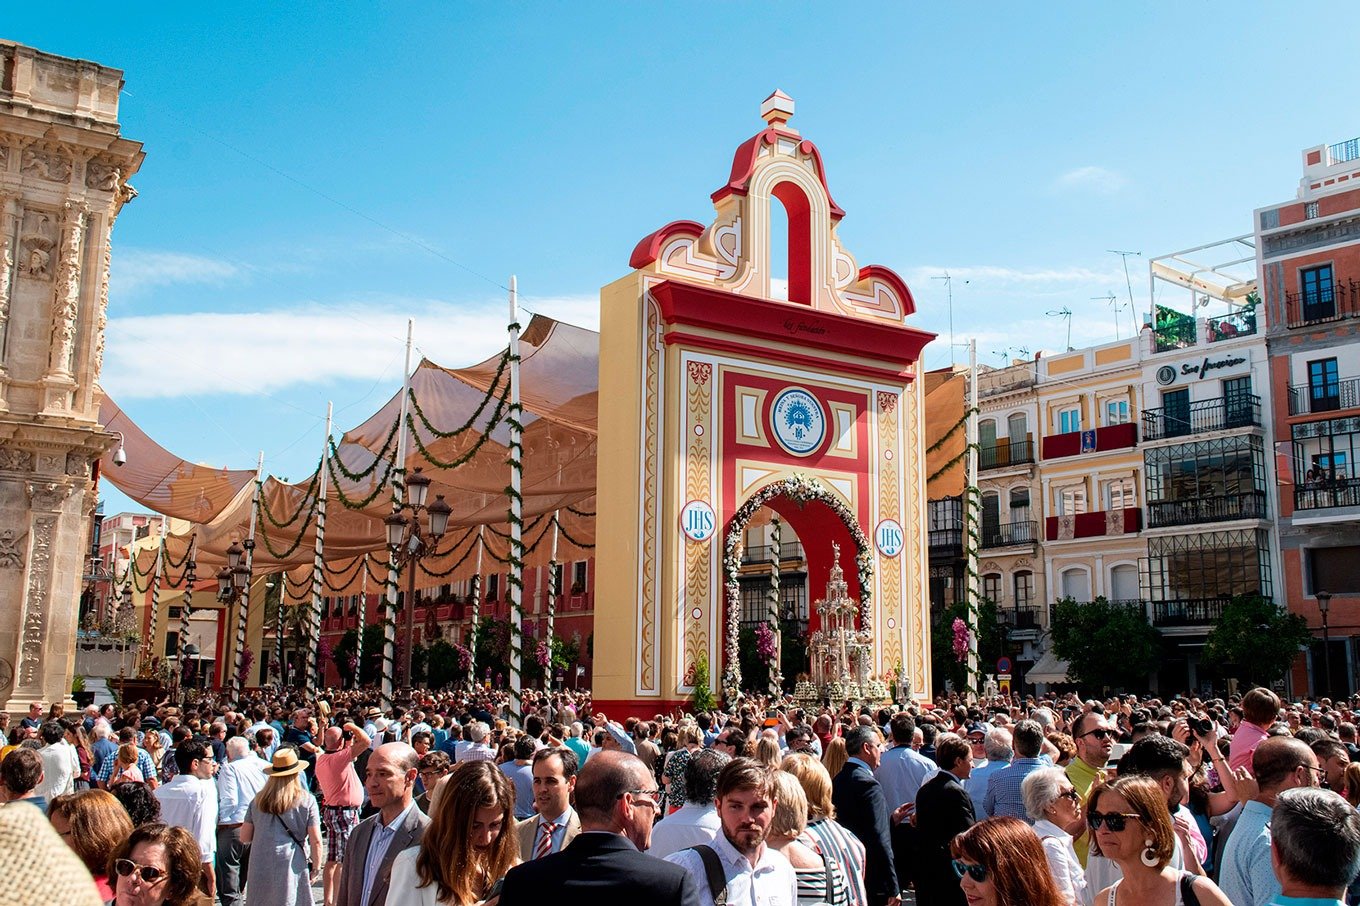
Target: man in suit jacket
x=863, y=810
x=398, y=824
x=943, y=810
x=617, y=800
x=556, y=823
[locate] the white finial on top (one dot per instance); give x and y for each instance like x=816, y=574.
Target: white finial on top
x=777, y=109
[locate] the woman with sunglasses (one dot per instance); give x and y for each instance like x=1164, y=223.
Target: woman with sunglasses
x=1130, y=824
x=1000, y=863
x=157, y=865
x=1054, y=805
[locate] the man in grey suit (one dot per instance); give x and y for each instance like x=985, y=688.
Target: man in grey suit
x=556, y=823
x=391, y=784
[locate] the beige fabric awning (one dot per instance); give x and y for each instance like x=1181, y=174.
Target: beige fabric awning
x=1049, y=669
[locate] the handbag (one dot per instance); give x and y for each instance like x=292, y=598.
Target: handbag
x=292, y=836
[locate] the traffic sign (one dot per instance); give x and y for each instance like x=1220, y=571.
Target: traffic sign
x=1003, y=665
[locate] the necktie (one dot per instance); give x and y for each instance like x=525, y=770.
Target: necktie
x=545, y=841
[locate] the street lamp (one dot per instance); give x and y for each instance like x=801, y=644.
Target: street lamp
x=410, y=543
x=1324, y=600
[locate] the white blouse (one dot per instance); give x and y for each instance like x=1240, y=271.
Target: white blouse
x=1063, y=862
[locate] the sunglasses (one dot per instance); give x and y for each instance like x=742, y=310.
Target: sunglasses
x=1070, y=794
x=150, y=873
x=1115, y=821
x=1098, y=733
x=977, y=872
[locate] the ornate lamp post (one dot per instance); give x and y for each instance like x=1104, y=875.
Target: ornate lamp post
x=1324, y=599
x=233, y=588
x=410, y=543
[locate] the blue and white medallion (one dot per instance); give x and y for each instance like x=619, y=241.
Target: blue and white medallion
x=798, y=421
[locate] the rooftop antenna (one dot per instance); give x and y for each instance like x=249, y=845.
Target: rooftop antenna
x=1064, y=312
x=949, y=290
x=1114, y=303
x=1124, y=256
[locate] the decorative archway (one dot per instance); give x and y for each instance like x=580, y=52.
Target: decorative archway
x=799, y=489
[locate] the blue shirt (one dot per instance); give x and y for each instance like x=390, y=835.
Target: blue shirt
x=901, y=772
x=1245, y=875
x=976, y=785
x=1283, y=900
x=377, y=849
x=102, y=748
x=1003, y=797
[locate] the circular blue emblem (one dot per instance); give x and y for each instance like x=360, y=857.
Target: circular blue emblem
x=798, y=421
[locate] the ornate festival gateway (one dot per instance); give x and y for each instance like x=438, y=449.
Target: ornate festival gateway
x=728, y=396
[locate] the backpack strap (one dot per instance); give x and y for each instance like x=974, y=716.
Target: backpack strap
x=717, y=878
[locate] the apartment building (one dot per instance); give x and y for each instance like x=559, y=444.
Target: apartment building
x=1308, y=251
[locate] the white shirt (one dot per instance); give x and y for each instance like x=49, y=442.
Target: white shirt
x=238, y=782
x=770, y=883
x=191, y=803
x=401, y=885
x=1063, y=863
x=378, y=845
x=687, y=826
x=61, y=764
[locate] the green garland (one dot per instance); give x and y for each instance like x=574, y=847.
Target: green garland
x=565, y=534
x=302, y=532
x=952, y=463
x=495, y=420
x=309, y=494
x=472, y=419
x=958, y=426
x=581, y=513
x=379, y=457
x=344, y=498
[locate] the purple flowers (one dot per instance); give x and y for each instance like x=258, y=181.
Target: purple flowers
x=962, y=636
x=765, y=643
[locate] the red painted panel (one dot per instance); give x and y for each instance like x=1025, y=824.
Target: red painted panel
x=1111, y=437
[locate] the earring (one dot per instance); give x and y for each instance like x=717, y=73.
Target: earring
x=1149, y=854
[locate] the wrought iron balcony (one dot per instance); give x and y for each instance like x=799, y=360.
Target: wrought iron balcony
x=1188, y=611
x=764, y=553
x=1327, y=396
x=1196, y=510
x=1327, y=493
x=1019, y=619
x=1230, y=327
x=1202, y=417
x=1010, y=534
x=1008, y=453
x=1334, y=302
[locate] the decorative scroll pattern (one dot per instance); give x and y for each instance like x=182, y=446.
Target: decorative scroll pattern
x=889, y=507
x=35, y=610
x=915, y=662
x=651, y=494
x=698, y=486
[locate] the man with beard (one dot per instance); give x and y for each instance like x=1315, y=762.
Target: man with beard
x=737, y=862
x=1094, y=741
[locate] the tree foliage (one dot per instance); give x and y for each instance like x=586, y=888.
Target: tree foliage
x=1255, y=640
x=702, y=699
x=371, y=669
x=1106, y=645
x=991, y=642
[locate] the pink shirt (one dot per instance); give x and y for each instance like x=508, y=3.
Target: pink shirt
x=339, y=781
x=1244, y=743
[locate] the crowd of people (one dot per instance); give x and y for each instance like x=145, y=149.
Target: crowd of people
x=443, y=799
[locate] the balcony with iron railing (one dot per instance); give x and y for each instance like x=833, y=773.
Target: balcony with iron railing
x=1010, y=534
x=1196, y=510
x=1188, y=611
x=1230, y=327
x=1202, y=417
x=1330, y=302
x=1006, y=453
x=945, y=543
x=1325, y=396
x=764, y=553
x=1021, y=618
x=1327, y=493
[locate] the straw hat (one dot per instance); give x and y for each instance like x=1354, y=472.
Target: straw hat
x=373, y=713
x=30, y=849
x=285, y=763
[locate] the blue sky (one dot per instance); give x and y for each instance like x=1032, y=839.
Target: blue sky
x=312, y=179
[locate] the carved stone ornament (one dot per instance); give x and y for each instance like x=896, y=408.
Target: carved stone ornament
x=38, y=241
x=46, y=163
x=78, y=465
x=6, y=275
x=13, y=460
x=47, y=495
x=4, y=157
x=35, y=611
x=66, y=305
x=11, y=549
x=102, y=175
x=51, y=463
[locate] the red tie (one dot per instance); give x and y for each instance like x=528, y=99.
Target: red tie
x=545, y=842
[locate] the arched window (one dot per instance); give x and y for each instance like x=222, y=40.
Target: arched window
x=1024, y=588
x=1124, y=583
x=991, y=587
x=1017, y=427
x=1076, y=584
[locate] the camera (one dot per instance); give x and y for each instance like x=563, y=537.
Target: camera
x=1200, y=726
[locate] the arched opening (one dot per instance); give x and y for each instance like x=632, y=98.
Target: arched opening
x=798, y=261
x=1076, y=584
x=779, y=252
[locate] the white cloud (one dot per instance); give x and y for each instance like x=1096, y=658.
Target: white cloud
x=987, y=276
x=133, y=270
x=262, y=352
x=1095, y=179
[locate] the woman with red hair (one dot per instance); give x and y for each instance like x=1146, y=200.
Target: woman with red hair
x=1000, y=862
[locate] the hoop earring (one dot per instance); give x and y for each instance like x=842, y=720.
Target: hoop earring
x=1149, y=854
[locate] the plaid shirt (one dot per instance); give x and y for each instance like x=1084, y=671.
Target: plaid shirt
x=144, y=765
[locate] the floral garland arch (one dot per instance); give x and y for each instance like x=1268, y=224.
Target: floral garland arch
x=800, y=489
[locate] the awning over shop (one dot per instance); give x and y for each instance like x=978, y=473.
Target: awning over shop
x=1049, y=670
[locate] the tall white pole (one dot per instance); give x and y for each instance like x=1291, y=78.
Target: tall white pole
x=476, y=602
x=553, y=591
x=316, y=675
x=515, y=579
x=243, y=607
x=363, y=622
x=153, y=642
x=776, y=555
x=398, y=497
x=972, y=501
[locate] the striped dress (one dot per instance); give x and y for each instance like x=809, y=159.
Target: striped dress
x=835, y=842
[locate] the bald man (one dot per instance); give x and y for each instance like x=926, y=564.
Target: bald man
x=391, y=784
